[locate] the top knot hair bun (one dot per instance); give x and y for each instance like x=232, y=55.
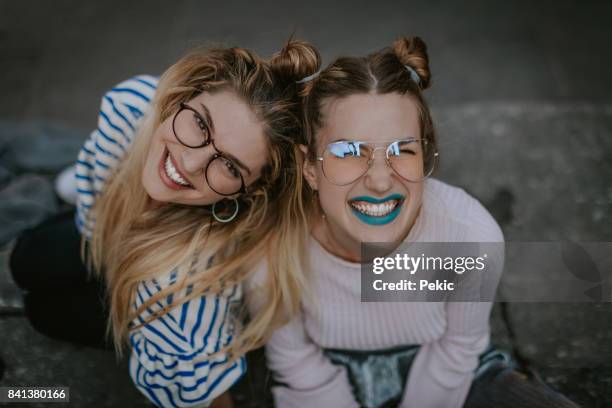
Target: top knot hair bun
x=296, y=61
x=412, y=53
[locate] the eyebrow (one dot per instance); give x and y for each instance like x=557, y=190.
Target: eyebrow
x=212, y=129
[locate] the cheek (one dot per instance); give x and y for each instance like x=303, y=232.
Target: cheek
x=415, y=199
x=163, y=133
x=156, y=145
x=150, y=176
x=151, y=166
x=331, y=197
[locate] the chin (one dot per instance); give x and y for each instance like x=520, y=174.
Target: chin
x=394, y=232
x=156, y=196
x=381, y=236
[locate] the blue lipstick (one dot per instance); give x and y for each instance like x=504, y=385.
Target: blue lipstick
x=374, y=220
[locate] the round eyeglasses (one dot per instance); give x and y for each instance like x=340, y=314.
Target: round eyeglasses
x=222, y=172
x=346, y=161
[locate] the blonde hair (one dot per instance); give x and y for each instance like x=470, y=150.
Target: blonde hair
x=133, y=242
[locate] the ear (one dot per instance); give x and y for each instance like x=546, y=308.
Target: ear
x=309, y=169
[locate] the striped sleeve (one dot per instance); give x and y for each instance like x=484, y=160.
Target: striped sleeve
x=174, y=359
x=120, y=113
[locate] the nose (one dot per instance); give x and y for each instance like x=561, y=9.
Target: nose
x=379, y=177
x=195, y=160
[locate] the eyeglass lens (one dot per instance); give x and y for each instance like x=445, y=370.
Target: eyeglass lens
x=346, y=161
x=222, y=174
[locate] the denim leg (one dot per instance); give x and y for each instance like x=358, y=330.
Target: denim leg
x=501, y=385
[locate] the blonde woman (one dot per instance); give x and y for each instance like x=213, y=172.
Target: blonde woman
x=186, y=180
x=371, y=149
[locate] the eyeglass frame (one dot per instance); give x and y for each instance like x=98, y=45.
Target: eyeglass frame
x=208, y=140
x=371, y=158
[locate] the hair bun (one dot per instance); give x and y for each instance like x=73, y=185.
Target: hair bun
x=412, y=51
x=297, y=60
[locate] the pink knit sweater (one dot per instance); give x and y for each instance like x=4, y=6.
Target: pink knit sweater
x=452, y=334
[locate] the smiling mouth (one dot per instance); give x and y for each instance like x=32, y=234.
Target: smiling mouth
x=381, y=209
x=172, y=172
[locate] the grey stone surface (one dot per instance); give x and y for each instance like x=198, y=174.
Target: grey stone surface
x=94, y=376
x=499, y=329
x=5, y=176
x=10, y=294
x=40, y=147
x=59, y=57
x=25, y=202
x=569, y=345
x=554, y=161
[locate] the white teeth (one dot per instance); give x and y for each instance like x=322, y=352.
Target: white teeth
x=173, y=173
x=376, y=210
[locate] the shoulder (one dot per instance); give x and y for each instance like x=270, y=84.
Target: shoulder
x=255, y=287
x=122, y=108
x=463, y=216
x=257, y=276
x=139, y=85
x=133, y=95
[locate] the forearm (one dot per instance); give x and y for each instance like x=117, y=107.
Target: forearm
x=442, y=371
x=177, y=359
x=309, y=378
x=193, y=379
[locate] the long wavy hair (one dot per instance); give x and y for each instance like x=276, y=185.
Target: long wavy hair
x=133, y=241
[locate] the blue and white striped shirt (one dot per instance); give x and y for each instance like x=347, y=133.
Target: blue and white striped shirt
x=171, y=359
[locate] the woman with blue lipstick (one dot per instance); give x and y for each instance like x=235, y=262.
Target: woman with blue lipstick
x=371, y=149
